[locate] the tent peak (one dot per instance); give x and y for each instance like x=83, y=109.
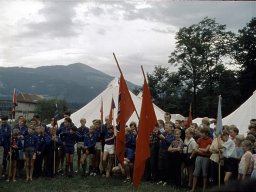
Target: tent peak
x=114, y=82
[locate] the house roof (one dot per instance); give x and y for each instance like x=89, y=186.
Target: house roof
x=28, y=98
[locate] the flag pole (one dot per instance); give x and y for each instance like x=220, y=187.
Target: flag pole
x=122, y=74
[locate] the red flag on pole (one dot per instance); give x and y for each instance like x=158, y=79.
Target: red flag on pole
x=14, y=103
x=101, y=111
x=125, y=110
x=147, y=123
x=112, y=107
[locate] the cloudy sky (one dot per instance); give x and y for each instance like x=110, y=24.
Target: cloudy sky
x=60, y=32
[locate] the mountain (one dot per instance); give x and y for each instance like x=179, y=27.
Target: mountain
x=76, y=83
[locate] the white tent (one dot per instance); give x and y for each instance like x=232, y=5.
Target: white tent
x=242, y=115
x=91, y=111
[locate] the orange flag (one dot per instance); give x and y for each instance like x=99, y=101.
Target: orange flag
x=112, y=107
x=125, y=110
x=101, y=111
x=189, y=121
x=147, y=123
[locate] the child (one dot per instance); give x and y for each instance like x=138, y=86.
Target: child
x=98, y=147
x=41, y=143
x=228, y=145
x=131, y=135
x=202, y=159
x=245, y=165
x=175, y=150
x=88, y=150
x=109, y=150
x=82, y=130
x=30, y=148
x=166, y=139
x=16, y=145
x=69, y=139
x=253, y=175
x=188, y=148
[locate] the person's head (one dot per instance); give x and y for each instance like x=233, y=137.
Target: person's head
x=67, y=114
x=73, y=129
x=189, y=133
x=127, y=130
x=22, y=121
x=238, y=140
x=205, y=132
x=67, y=122
x=16, y=133
x=169, y=127
x=160, y=123
x=4, y=120
x=251, y=138
x=92, y=129
x=252, y=128
x=253, y=121
x=30, y=130
x=177, y=134
x=97, y=124
x=110, y=128
x=247, y=145
x=206, y=122
x=233, y=131
x=225, y=135
x=178, y=124
x=133, y=126
x=34, y=122
x=167, y=117
x=82, y=122
x=37, y=118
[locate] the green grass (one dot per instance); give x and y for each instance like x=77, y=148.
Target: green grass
x=78, y=184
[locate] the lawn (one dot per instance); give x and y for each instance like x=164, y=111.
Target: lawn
x=78, y=184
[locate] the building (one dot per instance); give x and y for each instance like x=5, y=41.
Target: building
x=27, y=105
x=5, y=107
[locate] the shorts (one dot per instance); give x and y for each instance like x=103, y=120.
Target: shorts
x=29, y=152
x=69, y=149
x=98, y=146
x=230, y=165
x=80, y=144
x=202, y=164
x=110, y=149
x=129, y=154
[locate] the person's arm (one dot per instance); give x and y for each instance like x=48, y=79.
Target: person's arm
x=247, y=165
x=109, y=139
x=204, y=150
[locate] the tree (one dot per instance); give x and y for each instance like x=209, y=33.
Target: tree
x=246, y=56
x=46, y=108
x=165, y=88
x=200, y=49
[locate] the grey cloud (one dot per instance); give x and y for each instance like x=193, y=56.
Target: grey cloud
x=234, y=14
x=58, y=20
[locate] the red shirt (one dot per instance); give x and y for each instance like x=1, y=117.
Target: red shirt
x=203, y=143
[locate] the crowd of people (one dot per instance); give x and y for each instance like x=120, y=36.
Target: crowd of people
x=180, y=155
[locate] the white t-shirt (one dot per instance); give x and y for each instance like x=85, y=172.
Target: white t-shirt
x=229, y=147
x=189, y=145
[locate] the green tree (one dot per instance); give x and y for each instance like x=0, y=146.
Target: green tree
x=47, y=108
x=245, y=55
x=165, y=88
x=200, y=49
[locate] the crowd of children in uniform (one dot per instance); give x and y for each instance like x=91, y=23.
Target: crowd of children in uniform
x=178, y=155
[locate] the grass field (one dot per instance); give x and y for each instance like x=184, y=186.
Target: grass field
x=78, y=184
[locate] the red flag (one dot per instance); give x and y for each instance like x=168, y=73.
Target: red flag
x=189, y=121
x=112, y=107
x=14, y=102
x=101, y=111
x=146, y=125
x=125, y=110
